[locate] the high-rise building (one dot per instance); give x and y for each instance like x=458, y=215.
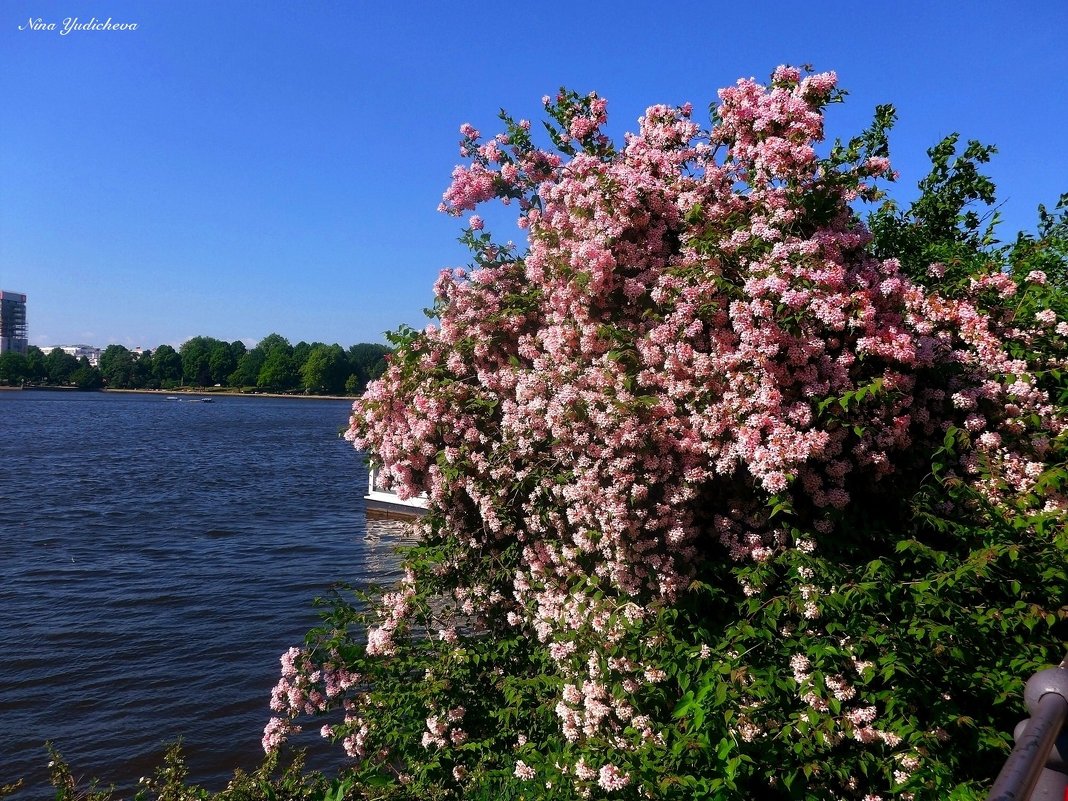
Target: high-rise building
x=13, y=337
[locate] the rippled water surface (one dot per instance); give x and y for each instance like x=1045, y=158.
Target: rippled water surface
x=156, y=557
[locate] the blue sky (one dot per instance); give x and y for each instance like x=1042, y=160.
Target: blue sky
x=235, y=168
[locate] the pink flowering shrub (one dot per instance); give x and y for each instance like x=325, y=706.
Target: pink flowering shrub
x=725, y=500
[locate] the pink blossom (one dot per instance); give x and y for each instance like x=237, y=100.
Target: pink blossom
x=276, y=732
x=523, y=771
x=583, y=771
x=612, y=778
x=862, y=716
x=1046, y=317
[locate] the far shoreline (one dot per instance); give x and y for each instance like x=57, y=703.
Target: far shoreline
x=237, y=393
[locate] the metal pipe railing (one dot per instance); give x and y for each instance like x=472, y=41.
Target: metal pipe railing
x=1033, y=771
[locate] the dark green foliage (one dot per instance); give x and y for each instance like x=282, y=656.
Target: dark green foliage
x=59, y=366
x=273, y=364
x=272, y=781
x=117, y=366
x=14, y=368
x=166, y=367
x=1047, y=249
x=86, y=376
x=367, y=362
x=325, y=370
x=947, y=224
x=248, y=369
x=278, y=371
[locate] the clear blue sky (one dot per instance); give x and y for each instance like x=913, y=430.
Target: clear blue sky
x=235, y=168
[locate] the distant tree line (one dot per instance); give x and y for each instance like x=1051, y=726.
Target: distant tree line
x=272, y=365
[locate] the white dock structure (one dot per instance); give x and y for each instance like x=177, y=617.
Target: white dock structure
x=387, y=505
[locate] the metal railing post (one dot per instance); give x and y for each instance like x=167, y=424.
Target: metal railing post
x=1035, y=771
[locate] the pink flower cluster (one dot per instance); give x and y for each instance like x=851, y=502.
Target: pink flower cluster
x=306, y=688
x=439, y=733
x=675, y=332
x=395, y=608
x=855, y=718
x=683, y=332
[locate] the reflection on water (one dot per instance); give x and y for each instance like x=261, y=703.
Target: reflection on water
x=381, y=539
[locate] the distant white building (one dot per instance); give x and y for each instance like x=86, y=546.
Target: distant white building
x=77, y=351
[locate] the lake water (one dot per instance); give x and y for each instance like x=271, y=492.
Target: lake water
x=156, y=558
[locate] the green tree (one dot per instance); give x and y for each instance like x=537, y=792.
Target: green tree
x=237, y=350
x=277, y=372
x=118, y=367
x=14, y=368
x=143, y=366
x=247, y=372
x=167, y=366
x=300, y=353
x=35, y=364
x=325, y=369
x=59, y=366
x=85, y=376
x=1047, y=249
x=273, y=342
x=221, y=362
x=367, y=361
x=196, y=360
